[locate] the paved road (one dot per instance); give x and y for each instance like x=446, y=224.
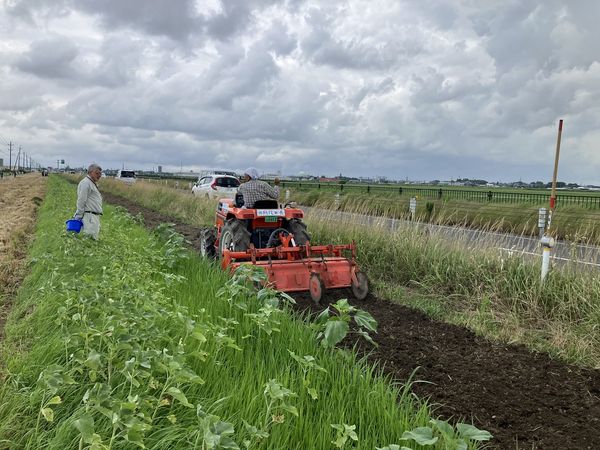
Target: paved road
x=579, y=256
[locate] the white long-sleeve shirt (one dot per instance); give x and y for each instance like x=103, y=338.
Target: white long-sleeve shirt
x=88, y=197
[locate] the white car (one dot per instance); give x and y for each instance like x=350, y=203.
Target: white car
x=216, y=186
x=126, y=176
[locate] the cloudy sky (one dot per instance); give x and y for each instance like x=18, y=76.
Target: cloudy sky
x=427, y=89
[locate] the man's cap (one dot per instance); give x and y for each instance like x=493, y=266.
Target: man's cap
x=251, y=172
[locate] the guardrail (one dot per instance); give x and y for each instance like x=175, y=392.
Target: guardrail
x=491, y=196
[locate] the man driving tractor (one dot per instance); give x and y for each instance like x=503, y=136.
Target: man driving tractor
x=254, y=189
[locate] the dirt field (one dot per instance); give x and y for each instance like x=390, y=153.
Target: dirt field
x=526, y=400
x=19, y=199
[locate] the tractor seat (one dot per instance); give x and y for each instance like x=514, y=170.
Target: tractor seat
x=265, y=204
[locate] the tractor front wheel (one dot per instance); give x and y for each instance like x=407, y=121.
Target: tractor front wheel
x=234, y=237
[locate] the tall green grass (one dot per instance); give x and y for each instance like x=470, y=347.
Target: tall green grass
x=123, y=343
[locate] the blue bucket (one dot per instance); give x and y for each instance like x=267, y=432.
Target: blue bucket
x=74, y=225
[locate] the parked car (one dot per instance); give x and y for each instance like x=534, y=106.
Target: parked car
x=216, y=186
x=126, y=176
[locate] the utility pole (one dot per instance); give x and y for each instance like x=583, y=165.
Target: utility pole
x=17, y=159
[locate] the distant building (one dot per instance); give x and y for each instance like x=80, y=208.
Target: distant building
x=159, y=169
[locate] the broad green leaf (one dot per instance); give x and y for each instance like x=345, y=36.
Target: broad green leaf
x=349, y=430
x=365, y=320
x=421, y=435
x=444, y=427
x=135, y=437
x=128, y=406
x=48, y=414
x=54, y=401
x=93, y=360
x=180, y=396
x=335, y=331
x=461, y=445
x=323, y=316
x=85, y=425
x=223, y=428
x=199, y=336
x=291, y=409
x=228, y=443
x=473, y=433
x=343, y=306
x=340, y=441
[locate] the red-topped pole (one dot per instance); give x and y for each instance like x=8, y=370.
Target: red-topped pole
x=547, y=240
x=553, y=194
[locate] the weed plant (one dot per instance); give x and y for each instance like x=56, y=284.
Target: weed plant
x=124, y=343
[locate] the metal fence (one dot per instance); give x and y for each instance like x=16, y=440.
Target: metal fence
x=492, y=196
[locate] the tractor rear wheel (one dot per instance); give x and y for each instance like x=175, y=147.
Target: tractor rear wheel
x=361, y=289
x=207, y=243
x=298, y=229
x=234, y=237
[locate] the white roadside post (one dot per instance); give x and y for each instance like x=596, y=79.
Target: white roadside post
x=287, y=195
x=337, y=200
x=412, y=206
x=547, y=242
x=542, y=221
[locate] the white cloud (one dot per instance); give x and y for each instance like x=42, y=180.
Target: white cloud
x=431, y=89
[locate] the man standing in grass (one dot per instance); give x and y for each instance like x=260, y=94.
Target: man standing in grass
x=89, y=202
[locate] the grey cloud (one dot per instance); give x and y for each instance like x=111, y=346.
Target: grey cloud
x=50, y=58
x=158, y=17
x=58, y=58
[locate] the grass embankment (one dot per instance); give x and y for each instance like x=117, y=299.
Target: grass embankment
x=574, y=223
x=20, y=198
x=499, y=297
x=123, y=341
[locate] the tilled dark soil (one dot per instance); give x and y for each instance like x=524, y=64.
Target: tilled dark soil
x=526, y=400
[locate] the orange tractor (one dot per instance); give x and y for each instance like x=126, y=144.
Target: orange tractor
x=276, y=240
